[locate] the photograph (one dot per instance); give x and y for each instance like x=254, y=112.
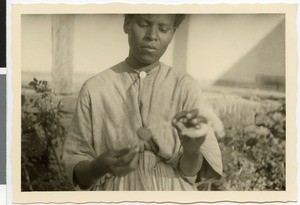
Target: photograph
x=140, y=100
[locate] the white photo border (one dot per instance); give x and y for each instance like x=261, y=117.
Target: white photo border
x=290, y=11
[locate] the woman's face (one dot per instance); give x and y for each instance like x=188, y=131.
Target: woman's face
x=149, y=36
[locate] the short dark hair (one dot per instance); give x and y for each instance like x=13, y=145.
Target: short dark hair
x=178, y=18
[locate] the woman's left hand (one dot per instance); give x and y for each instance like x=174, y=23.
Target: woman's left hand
x=192, y=129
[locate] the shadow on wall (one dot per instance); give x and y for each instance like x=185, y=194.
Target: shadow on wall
x=263, y=66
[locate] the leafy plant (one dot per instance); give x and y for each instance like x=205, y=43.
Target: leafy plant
x=42, y=139
x=254, y=155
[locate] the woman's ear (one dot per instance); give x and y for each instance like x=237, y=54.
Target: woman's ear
x=126, y=25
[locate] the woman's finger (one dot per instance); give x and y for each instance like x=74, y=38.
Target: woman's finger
x=125, y=164
x=127, y=158
x=120, y=171
x=179, y=126
x=192, y=114
x=196, y=121
x=195, y=133
x=120, y=153
x=179, y=116
x=134, y=162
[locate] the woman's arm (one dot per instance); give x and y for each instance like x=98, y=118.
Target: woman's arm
x=192, y=132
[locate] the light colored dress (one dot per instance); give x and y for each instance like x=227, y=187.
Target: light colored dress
x=114, y=104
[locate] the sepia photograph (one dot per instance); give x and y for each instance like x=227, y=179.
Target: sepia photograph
x=153, y=101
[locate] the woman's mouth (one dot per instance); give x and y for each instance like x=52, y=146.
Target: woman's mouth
x=150, y=49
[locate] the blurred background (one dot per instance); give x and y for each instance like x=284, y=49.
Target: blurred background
x=239, y=60
x=225, y=49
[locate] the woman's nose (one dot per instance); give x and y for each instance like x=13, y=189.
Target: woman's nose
x=152, y=33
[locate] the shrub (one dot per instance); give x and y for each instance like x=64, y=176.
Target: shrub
x=254, y=155
x=42, y=137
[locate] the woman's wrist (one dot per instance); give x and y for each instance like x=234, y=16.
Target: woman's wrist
x=87, y=172
x=191, y=153
x=83, y=175
x=99, y=167
x=191, y=163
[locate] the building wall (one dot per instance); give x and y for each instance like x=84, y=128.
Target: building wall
x=36, y=43
x=264, y=64
x=218, y=43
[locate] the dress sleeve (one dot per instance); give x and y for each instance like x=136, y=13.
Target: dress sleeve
x=212, y=166
x=78, y=144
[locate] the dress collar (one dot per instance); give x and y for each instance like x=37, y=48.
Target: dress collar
x=147, y=69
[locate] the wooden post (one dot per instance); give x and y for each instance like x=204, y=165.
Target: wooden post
x=180, y=46
x=62, y=53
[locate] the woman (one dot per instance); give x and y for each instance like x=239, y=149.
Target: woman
x=124, y=135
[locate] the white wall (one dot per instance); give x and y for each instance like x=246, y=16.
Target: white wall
x=36, y=43
x=217, y=42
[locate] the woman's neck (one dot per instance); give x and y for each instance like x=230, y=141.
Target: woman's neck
x=140, y=66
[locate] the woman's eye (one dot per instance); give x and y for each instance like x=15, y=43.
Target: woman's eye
x=143, y=25
x=164, y=29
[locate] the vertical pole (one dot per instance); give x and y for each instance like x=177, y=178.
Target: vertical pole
x=180, y=46
x=62, y=53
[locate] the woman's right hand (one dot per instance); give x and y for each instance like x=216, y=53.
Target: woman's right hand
x=122, y=162
x=116, y=163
